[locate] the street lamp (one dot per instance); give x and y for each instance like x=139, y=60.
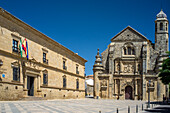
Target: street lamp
x=149, y=93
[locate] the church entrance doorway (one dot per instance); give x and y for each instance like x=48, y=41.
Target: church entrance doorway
x=128, y=92
x=30, y=85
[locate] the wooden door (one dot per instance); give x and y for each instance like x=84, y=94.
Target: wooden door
x=128, y=92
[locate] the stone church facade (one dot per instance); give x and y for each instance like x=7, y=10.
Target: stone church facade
x=51, y=72
x=129, y=67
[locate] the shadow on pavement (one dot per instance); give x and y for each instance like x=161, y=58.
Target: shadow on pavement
x=160, y=108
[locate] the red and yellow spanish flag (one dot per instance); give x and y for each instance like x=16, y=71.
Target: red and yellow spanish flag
x=25, y=47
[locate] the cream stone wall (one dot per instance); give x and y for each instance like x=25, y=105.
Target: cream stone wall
x=13, y=28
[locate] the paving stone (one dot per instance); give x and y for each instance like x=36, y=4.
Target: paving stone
x=70, y=106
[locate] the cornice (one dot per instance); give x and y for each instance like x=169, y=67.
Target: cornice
x=27, y=27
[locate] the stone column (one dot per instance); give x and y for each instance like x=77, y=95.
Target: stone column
x=155, y=90
x=38, y=86
x=38, y=82
x=111, y=71
x=25, y=82
x=114, y=87
x=110, y=87
x=25, y=86
x=136, y=89
x=120, y=86
x=21, y=74
x=120, y=90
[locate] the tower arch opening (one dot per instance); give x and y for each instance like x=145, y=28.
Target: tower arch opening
x=161, y=26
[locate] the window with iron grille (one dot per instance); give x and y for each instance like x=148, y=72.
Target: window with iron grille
x=64, y=81
x=15, y=46
x=45, y=58
x=77, y=69
x=77, y=84
x=45, y=78
x=64, y=65
x=16, y=74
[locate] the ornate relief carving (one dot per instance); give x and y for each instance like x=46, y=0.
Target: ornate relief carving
x=127, y=83
x=151, y=84
x=31, y=63
x=118, y=67
x=128, y=68
x=103, y=83
x=15, y=64
x=144, y=54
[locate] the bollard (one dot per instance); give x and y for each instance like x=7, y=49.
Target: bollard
x=152, y=105
x=99, y=111
x=128, y=109
x=136, y=108
x=117, y=110
x=142, y=107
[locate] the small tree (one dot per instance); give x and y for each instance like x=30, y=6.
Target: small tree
x=165, y=71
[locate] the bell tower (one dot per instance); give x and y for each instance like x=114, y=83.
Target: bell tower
x=161, y=33
x=161, y=46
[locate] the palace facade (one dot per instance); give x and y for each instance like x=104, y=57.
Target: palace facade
x=129, y=67
x=51, y=71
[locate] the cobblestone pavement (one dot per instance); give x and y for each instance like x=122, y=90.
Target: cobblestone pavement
x=70, y=106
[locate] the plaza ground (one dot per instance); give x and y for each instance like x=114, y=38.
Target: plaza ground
x=71, y=106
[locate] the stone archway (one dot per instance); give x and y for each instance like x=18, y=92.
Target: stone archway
x=128, y=92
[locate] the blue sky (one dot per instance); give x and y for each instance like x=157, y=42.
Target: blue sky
x=85, y=25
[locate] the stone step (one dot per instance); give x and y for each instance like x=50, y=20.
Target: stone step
x=31, y=98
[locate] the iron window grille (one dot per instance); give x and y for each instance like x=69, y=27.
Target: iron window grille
x=16, y=74
x=64, y=65
x=77, y=84
x=77, y=72
x=45, y=60
x=15, y=46
x=64, y=82
x=45, y=79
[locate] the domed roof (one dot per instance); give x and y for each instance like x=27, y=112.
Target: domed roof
x=161, y=14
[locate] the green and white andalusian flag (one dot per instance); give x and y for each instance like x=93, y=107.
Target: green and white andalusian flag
x=20, y=47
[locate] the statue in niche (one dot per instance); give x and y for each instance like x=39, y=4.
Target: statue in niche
x=128, y=68
x=103, y=83
x=132, y=69
x=144, y=54
x=151, y=84
x=139, y=68
x=118, y=67
x=125, y=69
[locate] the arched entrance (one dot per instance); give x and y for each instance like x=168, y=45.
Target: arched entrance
x=128, y=92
